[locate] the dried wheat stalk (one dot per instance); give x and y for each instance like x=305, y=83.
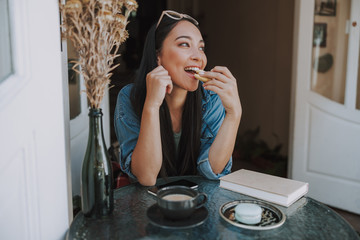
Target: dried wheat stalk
x=96, y=29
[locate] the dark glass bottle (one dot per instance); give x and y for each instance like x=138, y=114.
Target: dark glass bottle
x=96, y=175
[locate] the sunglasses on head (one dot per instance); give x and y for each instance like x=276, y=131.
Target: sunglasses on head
x=176, y=16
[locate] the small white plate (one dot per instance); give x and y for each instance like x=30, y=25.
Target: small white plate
x=271, y=218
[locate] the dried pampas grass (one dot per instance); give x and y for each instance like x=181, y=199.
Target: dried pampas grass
x=96, y=28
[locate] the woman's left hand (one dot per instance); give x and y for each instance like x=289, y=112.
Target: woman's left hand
x=224, y=84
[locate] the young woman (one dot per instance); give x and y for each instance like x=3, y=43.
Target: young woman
x=167, y=122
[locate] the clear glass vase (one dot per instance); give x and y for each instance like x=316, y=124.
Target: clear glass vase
x=97, y=197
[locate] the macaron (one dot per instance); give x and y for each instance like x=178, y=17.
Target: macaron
x=248, y=213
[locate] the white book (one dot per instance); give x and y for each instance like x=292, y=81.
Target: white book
x=278, y=190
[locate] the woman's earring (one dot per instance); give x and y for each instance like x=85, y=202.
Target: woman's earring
x=158, y=61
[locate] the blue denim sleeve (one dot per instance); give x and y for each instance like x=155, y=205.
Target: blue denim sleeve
x=127, y=128
x=213, y=117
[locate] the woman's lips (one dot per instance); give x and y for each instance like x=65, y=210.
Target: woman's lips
x=191, y=75
x=191, y=71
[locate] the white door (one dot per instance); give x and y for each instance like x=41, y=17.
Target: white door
x=33, y=180
x=79, y=109
x=325, y=135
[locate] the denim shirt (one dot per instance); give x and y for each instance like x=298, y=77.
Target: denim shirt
x=127, y=128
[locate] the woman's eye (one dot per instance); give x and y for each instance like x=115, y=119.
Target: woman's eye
x=184, y=44
x=202, y=49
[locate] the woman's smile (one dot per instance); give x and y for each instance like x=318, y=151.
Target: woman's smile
x=191, y=70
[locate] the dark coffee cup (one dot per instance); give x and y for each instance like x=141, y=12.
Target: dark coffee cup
x=179, y=202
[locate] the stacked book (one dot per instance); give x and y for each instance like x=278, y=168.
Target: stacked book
x=278, y=190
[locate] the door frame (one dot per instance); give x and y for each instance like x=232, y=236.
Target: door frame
x=64, y=67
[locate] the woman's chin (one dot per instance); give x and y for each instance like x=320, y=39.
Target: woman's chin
x=193, y=87
x=192, y=90
x=188, y=87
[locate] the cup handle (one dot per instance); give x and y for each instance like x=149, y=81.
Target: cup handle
x=202, y=202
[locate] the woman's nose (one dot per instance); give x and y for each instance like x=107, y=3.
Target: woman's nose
x=196, y=55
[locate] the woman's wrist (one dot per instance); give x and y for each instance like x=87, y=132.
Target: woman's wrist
x=234, y=116
x=151, y=107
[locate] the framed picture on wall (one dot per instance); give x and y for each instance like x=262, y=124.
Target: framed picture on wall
x=319, y=35
x=325, y=7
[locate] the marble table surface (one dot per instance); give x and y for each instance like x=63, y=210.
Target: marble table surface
x=305, y=219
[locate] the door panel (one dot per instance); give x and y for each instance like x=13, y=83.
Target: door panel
x=329, y=151
x=22, y=190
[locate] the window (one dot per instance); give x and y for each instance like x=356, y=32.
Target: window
x=330, y=48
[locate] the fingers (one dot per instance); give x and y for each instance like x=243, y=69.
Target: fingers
x=211, y=85
x=220, y=77
x=213, y=75
x=169, y=88
x=218, y=73
x=224, y=84
x=158, y=71
x=163, y=75
x=224, y=70
x=159, y=76
x=158, y=83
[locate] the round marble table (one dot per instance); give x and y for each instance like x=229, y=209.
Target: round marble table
x=305, y=219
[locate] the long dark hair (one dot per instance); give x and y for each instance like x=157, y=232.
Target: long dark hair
x=189, y=146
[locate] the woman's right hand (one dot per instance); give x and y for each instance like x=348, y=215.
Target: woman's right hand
x=158, y=83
